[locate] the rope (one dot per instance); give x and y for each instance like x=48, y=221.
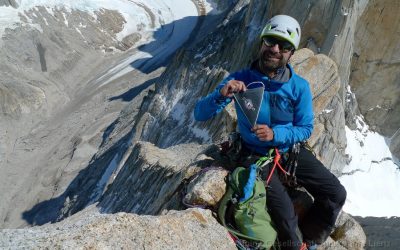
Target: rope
x=237, y=242
x=276, y=163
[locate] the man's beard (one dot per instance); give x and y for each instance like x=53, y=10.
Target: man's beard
x=270, y=62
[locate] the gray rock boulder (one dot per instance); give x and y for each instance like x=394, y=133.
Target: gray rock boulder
x=207, y=189
x=348, y=234
x=328, y=138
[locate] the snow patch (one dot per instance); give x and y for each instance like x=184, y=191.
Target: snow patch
x=326, y=111
x=378, y=107
x=49, y=10
x=178, y=96
x=65, y=19
x=178, y=111
x=80, y=33
x=201, y=133
x=211, y=7
x=170, y=105
x=104, y=179
x=45, y=20
x=373, y=185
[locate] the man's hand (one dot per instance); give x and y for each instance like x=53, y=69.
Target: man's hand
x=233, y=86
x=263, y=132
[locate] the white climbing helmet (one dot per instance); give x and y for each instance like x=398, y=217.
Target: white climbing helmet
x=284, y=27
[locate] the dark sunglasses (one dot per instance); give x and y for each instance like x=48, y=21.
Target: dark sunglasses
x=284, y=46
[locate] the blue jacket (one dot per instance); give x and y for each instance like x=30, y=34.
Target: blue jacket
x=286, y=108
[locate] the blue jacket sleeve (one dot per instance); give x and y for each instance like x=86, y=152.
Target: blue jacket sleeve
x=212, y=104
x=302, y=126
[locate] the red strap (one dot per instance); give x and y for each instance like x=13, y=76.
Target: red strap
x=303, y=246
x=232, y=237
x=276, y=163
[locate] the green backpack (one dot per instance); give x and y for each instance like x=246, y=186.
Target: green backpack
x=252, y=222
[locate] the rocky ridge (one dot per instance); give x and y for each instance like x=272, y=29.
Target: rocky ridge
x=93, y=230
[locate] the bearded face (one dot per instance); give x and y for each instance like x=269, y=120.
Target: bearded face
x=273, y=57
x=272, y=61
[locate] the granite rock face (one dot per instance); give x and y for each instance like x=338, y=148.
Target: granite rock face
x=348, y=234
x=207, y=189
x=151, y=179
x=375, y=77
x=328, y=138
x=189, y=229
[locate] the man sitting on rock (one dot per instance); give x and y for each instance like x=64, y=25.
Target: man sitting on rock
x=285, y=118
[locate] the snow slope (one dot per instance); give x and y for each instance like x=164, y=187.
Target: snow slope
x=372, y=178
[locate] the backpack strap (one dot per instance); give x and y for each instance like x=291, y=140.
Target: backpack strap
x=255, y=168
